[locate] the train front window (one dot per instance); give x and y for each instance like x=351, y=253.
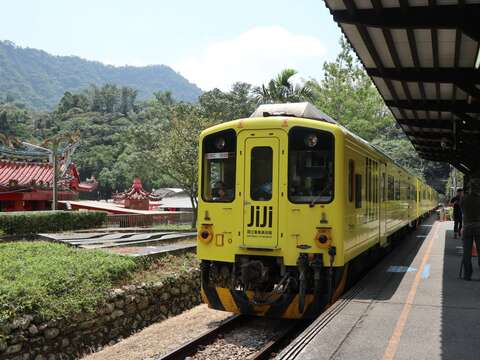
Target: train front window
x=219, y=166
x=310, y=166
x=261, y=173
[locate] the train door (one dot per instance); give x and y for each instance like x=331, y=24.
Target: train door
x=383, y=204
x=261, y=188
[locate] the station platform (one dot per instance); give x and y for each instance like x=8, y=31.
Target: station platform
x=412, y=305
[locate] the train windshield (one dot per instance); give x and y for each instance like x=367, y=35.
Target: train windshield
x=218, y=166
x=310, y=166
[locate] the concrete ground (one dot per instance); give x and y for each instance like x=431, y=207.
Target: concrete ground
x=411, y=306
x=131, y=243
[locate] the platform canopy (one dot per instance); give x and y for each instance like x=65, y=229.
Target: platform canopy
x=423, y=56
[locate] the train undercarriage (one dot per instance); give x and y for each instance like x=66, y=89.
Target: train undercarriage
x=261, y=285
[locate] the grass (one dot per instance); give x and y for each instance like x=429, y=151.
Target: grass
x=173, y=227
x=54, y=280
x=165, y=267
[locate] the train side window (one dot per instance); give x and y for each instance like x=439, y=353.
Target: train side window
x=397, y=189
x=368, y=188
x=384, y=187
x=391, y=187
x=351, y=179
x=358, y=191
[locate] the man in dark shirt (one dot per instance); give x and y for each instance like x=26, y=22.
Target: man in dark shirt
x=457, y=212
x=471, y=231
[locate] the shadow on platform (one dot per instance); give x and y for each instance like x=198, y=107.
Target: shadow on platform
x=388, y=274
x=460, y=318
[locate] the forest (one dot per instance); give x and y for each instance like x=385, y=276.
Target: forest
x=156, y=139
x=39, y=79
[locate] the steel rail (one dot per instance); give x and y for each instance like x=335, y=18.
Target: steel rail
x=275, y=343
x=206, y=338
x=272, y=345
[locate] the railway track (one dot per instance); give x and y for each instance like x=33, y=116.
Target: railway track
x=280, y=331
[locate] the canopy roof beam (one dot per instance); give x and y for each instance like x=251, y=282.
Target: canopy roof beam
x=442, y=75
x=422, y=17
x=457, y=106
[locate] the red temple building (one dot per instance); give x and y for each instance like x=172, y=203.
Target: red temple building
x=136, y=197
x=26, y=178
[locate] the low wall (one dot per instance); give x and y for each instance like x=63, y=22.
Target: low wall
x=126, y=310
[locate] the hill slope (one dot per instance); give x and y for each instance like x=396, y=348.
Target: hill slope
x=39, y=79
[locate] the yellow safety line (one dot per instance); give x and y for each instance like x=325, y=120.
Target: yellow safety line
x=392, y=346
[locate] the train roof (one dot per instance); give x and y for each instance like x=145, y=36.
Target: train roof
x=380, y=151
x=303, y=110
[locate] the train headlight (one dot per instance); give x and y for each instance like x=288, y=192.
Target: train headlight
x=323, y=237
x=311, y=140
x=206, y=233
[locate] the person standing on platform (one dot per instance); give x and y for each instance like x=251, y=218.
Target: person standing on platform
x=457, y=213
x=470, y=206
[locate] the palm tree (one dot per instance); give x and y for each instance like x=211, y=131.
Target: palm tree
x=282, y=90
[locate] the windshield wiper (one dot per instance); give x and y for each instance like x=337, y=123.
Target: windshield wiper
x=314, y=201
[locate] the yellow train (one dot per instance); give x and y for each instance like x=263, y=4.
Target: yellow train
x=288, y=201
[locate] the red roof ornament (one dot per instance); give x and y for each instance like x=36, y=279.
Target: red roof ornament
x=136, y=197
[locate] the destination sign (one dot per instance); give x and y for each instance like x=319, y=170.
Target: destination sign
x=218, y=155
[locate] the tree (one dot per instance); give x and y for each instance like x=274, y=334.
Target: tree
x=127, y=101
x=177, y=149
x=238, y=103
x=283, y=90
x=71, y=101
x=165, y=98
x=110, y=96
x=15, y=121
x=96, y=98
x=10, y=141
x=111, y=99
x=347, y=94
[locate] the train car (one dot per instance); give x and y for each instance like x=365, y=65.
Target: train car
x=289, y=201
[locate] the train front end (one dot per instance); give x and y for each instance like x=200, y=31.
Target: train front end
x=269, y=234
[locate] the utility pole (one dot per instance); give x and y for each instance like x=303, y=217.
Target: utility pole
x=54, y=144
x=55, y=178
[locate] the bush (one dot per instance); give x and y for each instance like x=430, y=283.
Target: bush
x=34, y=222
x=54, y=280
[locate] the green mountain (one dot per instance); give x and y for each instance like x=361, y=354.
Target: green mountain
x=39, y=79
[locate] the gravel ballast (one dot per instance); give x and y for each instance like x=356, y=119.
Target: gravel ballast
x=163, y=337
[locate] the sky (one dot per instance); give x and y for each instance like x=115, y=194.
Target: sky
x=212, y=43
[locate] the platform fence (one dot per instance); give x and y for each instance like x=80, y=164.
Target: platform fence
x=147, y=220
